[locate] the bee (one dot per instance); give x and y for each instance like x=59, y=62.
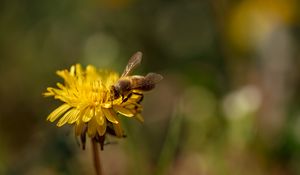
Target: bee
x=127, y=83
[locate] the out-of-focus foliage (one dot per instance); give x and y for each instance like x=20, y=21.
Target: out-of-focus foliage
x=228, y=104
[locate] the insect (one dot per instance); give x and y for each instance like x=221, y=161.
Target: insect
x=128, y=83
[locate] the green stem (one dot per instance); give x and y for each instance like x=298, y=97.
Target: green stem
x=96, y=158
x=170, y=144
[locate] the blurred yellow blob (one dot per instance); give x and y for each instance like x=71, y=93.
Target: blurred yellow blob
x=251, y=21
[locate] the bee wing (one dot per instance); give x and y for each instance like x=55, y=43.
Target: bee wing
x=153, y=78
x=133, y=62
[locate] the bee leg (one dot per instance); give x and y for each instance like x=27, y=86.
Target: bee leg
x=135, y=93
x=128, y=96
x=142, y=97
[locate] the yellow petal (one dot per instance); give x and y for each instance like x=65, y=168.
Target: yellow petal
x=130, y=106
x=92, y=128
x=135, y=98
x=58, y=112
x=60, y=86
x=63, y=120
x=117, y=101
x=134, y=106
x=140, y=118
x=110, y=115
x=74, y=116
x=78, y=69
x=107, y=105
x=102, y=128
x=78, y=128
x=99, y=117
x=47, y=94
x=79, y=74
x=118, y=130
x=89, y=113
x=72, y=70
x=124, y=111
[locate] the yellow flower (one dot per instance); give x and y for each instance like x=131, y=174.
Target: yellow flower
x=90, y=105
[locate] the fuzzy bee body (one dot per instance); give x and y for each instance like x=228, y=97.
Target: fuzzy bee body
x=127, y=83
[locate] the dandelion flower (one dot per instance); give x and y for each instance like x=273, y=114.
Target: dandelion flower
x=91, y=103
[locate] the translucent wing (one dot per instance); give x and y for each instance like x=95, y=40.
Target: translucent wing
x=153, y=78
x=133, y=62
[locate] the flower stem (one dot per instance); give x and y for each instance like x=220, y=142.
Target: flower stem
x=96, y=158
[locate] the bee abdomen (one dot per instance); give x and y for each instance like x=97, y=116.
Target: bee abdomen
x=146, y=87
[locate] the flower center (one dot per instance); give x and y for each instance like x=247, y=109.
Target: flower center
x=100, y=94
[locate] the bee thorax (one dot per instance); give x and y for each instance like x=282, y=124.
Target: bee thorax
x=122, y=85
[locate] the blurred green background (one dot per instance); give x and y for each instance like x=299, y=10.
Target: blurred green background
x=228, y=105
